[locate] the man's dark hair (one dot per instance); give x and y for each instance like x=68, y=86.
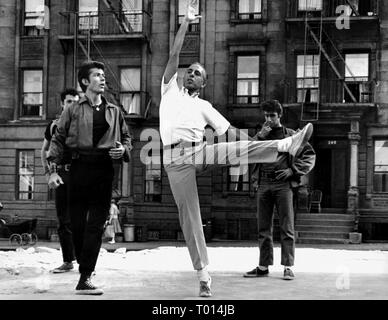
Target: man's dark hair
x=68, y=91
x=84, y=71
x=272, y=106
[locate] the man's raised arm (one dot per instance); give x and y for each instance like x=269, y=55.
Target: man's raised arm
x=173, y=61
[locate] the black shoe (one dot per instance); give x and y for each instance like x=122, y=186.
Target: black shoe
x=288, y=274
x=65, y=267
x=85, y=286
x=256, y=273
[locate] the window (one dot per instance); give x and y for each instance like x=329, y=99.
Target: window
x=249, y=9
x=380, y=171
x=193, y=26
x=310, y=5
x=32, y=93
x=356, y=77
x=133, y=13
x=34, y=14
x=130, y=90
x=361, y=7
x=247, y=79
x=239, y=179
x=307, y=78
x=88, y=15
x=26, y=162
x=153, y=179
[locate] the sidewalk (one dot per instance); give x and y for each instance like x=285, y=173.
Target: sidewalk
x=159, y=270
x=136, y=246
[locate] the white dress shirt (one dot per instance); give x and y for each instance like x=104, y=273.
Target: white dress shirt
x=184, y=117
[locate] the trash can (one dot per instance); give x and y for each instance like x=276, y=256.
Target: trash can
x=129, y=232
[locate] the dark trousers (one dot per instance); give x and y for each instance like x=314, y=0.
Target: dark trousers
x=89, y=196
x=280, y=195
x=64, y=225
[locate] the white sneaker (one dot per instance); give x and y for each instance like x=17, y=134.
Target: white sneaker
x=112, y=242
x=300, y=139
x=204, y=288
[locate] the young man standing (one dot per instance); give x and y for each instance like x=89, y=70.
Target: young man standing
x=183, y=118
x=274, y=183
x=96, y=134
x=68, y=98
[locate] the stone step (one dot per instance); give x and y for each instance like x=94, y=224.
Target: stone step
x=321, y=241
x=322, y=235
x=319, y=228
x=328, y=216
x=323, y=222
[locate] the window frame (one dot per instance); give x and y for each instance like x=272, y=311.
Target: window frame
x=37, y=32
x=133, y=92
x=360, y=83
x=92, y=17
x=242, y=47
x=152, y=196
x=18, y=176
x=41, y=106
x=374, y=165
x=235, y=15
x=226, y=181
x=236, y=80
x=297, y=79
x=193, y=28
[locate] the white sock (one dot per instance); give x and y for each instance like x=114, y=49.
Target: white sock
x=203, y=274
x=263, y=268
x=287, y=267
x=284, y=144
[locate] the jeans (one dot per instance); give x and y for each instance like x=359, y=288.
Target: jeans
x=64, y=225
x=89, y=195
x=279, y=195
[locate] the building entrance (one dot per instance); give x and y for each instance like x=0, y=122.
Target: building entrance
x=331, y=172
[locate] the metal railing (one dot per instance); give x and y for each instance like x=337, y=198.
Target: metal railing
x=105, y=23
x=313, y=8
x=329, y=91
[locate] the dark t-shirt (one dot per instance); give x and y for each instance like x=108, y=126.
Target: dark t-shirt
x=100, y=125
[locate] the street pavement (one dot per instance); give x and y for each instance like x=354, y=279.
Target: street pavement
x=162, y=271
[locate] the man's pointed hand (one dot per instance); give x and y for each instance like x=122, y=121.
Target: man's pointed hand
x=192, y=6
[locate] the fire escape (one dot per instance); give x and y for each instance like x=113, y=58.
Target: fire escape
x=333, y=81
x=86, y=36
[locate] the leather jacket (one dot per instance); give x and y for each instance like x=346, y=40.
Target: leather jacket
x=300, y=165
x=75, y=128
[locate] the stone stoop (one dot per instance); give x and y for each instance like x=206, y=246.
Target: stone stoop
x=323, y=228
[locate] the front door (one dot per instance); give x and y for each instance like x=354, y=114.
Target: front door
x=330, y=174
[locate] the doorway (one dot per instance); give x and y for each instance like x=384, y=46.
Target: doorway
x=331, y=172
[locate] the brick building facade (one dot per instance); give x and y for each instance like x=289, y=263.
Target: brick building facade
x=297, y=51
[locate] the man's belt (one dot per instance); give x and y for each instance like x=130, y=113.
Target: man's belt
x=268, y=174
x=91, y=155
x=183, y=144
